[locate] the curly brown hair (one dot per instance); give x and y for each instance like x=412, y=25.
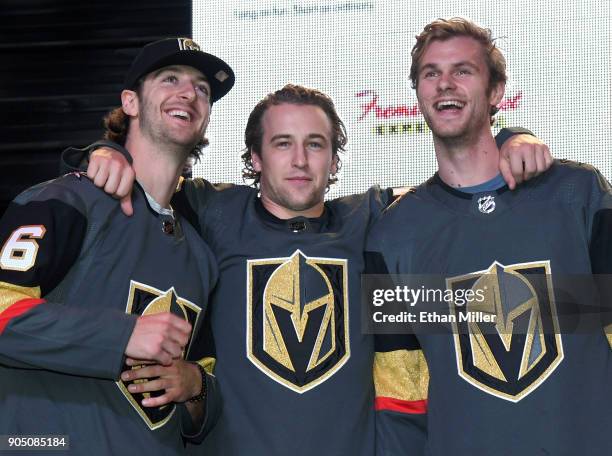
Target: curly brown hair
x=290, y=94
x=117, y=125
x=444, y=29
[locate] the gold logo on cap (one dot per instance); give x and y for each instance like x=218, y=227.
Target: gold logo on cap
x=221, y=75
x=187, y=44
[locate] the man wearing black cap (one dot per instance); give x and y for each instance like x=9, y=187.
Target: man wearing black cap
x=85, y=291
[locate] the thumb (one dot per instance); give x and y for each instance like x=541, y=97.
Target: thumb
x=126, y=204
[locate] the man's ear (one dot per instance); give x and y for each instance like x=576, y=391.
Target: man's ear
x=129, y=102
x=497, y=93
x=256, y=159
x=334, y=164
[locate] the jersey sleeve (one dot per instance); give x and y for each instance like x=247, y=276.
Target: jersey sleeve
x=41, y=235
x=194, y=198
x=401, y=375
x=401, y=379
x=599, y=225
x=506, y=133
x=205, y=355
x=74, y=159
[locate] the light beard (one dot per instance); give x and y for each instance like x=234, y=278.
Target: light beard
x=285, y=201
x=158, y=135
x=311, y=202
x=466, y=135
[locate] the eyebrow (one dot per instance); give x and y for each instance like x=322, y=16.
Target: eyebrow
x=288, y=135
x=435, y=66
x=176, y=69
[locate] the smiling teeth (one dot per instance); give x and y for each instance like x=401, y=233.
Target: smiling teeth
x=180, y=114
x=450, y=103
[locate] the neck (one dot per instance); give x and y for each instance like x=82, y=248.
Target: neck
x=157, y=169
x=284, y=213
x=467, y=162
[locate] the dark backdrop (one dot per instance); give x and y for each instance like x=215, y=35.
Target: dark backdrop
x=62, y=67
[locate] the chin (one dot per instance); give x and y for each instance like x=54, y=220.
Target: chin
x=447, y=133
x=299, y=206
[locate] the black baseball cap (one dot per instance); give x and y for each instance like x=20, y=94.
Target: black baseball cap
x=181, y=51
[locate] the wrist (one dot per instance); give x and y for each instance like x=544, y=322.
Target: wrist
x=201, y=389
x=112, y=145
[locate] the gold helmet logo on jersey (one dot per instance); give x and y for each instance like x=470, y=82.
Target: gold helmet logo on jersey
x=512, y=355
x=146, y=300
x=297, y=318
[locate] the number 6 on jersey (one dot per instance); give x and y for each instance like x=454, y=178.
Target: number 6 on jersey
x=19, y=252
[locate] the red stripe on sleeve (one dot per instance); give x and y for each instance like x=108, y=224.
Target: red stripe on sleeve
x=20, y=307
x=398, y=405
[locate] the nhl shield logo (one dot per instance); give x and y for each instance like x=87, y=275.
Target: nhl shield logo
x=512, y=355
x=297, y=318
x=486, y=204
x=146, y=300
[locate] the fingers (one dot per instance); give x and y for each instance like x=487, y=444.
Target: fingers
x=92, y=169
x=548, y=158
x=526, y=156
x=109, y=169
x=137, y=362
x=154, y=378
x=148, y=372
x=158, y=384
x=158, y=401
x=125, y=184
x=177, y=334
x=98, y=173
x=516, y=168
x=540, y=160
x=529, y=165
x=506, y=172
x=544, y=158
x=159, y=337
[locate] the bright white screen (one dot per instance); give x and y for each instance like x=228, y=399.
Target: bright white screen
x=558, y=55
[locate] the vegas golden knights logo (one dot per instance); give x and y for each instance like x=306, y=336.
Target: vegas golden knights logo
x=512, y=356
x=146, y=300
x=297, y=318
x=187, y=44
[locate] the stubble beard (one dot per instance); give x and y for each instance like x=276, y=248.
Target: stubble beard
x=463, y=134
x=157, y=134
x=285, y=200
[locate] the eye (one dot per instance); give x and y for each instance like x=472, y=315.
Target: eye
x=203, y=88
x=430, y=74
x=170, y=78
x=282, y=144
x=315, y=145
x=463, y=72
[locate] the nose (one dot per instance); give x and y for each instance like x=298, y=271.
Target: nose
x=187, y=91
x=445, y=82
x=300, y=158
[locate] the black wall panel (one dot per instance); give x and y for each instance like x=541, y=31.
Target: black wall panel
x=62, y=67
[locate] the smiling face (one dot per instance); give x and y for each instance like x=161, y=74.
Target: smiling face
x=453, y=89
x=295, y=161
x=173, y=108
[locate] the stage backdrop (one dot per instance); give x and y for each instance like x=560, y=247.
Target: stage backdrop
x=358, y=52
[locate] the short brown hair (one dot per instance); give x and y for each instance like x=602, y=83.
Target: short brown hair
x=117, y=126
x=444, y=29
x=290, y=94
